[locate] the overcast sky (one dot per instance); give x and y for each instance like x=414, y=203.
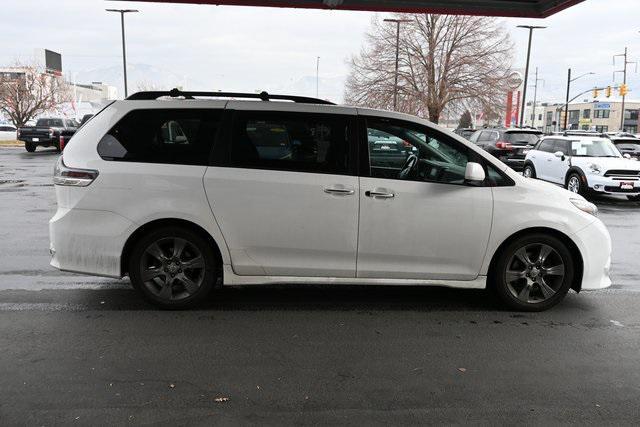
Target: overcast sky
x=246, y=48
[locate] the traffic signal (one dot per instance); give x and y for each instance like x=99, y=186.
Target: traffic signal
x=623, y=89
x=607, y=91
x=595, y=93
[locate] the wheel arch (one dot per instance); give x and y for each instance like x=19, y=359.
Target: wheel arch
x=160, y=223
x=579, y=171
x=573, y=248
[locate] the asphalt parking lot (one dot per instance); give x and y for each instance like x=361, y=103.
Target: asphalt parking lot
x=87, y=350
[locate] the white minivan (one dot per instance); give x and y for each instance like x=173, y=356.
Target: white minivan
x=188, y=191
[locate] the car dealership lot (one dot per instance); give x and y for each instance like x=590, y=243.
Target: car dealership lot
x=85, y=349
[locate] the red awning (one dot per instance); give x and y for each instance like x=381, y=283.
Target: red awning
x=516, y=8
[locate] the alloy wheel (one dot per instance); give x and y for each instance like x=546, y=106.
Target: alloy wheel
x=527, y=172
x=172, y=268
x=574, y=184
x=535, y=273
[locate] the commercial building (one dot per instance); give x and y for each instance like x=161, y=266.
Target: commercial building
x=596, y=115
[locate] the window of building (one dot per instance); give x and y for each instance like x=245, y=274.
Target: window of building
x=178, y=136
x=631, y=114
x=602, y=129
x=298, y=142
x=586, y=114
x=631, y=128
x=601, y=114
x=574, y=115
x=549, y=116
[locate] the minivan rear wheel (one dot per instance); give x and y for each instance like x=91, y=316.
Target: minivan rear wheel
x=533, y=273
x=173, y=267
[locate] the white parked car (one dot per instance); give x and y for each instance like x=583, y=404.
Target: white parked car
x=584, y=164
x=8, y=132
x=185, y=195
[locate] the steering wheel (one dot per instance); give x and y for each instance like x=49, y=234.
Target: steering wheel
x=409, y=165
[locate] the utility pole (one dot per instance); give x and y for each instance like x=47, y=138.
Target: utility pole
x=124, y=49
x=317, y=75
x=526, y=70
x=395, y=85
x=535, y=99
x=624, y=81
x=566, y=102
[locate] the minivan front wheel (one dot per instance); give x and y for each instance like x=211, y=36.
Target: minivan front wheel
x=173, y=267
x=533, y=273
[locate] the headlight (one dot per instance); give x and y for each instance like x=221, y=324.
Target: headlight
x=595, y=168
x=585, y=206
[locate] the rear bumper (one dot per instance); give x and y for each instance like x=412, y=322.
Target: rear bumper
x=77, y=245
x=42, y=141
x=594, y=244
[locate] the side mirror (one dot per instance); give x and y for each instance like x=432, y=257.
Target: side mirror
x=626, y=155
x=474, y=173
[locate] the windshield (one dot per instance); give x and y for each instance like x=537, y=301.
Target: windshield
x=522, y=137
x=594, y=148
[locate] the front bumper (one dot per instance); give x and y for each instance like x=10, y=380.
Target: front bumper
x=594, y=243
x=78, y=245
x=609, y=185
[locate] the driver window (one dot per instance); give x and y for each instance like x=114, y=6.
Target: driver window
x=412, y=152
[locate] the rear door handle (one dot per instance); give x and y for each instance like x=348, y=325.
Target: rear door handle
x=379, y=194
x=339, y=191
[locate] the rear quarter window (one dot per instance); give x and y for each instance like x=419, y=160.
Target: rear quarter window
x=168, y=136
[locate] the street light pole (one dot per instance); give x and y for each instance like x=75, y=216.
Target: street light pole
x=395, y=85
x=566, y=103
x=526, y=70
x=535, y=99
x=124, y=48
x=317, y=75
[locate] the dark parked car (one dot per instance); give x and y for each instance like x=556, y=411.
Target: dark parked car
x=509, y=145
x=465, y=132
x=48, y=132
x=627, y=145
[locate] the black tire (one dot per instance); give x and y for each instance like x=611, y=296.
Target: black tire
x=532, y=170
x=538, y=298
x=582, y=188
x=30, y=147
x=141, y=261
x=634, y=198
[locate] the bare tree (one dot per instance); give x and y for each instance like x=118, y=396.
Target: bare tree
x=446, y=61
x=27, y=93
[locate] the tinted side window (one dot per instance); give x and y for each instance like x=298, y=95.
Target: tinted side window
x=301, y=142
x=171, y=136
x=546, y=145
x=411, y=152
x=562, y=146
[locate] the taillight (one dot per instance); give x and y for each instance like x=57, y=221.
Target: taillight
x=504, y=145
x=62, y=143
x=62, y=175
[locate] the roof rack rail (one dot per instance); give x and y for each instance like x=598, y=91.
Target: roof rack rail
x=578, y=132
x=264, y=96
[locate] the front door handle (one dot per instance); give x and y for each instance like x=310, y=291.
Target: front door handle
x=339, y=191
x=379, y=194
